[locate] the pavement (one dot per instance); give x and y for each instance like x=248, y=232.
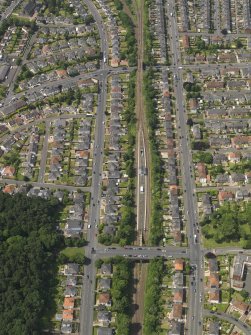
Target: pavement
x=226, y=317
x=64, y=82
x=93, y=250
x=86, y=310
x=44, y=151
x=194, y=320
x=8, y=11
x=45, y=185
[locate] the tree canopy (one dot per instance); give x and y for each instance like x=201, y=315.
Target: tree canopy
x=29, y=242
x=227, y=223
x=153, y=303
x=122, y=294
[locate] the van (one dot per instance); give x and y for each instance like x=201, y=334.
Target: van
x=89, y=226
x=141, y=189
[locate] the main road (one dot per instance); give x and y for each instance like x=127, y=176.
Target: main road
x=87, y=302
x=8, y=11
x=194, y=323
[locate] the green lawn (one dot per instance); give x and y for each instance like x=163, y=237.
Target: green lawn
x=210, y=243
x=73, y=251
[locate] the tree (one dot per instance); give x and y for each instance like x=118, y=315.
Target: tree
x=19, y=61
x=200, y=145
x=244, y=294
x=224, y=31
x=153, y=304
x=30, y=243
x=190, y=122
x=122, y=294
x=98, y=263
x=204, y=157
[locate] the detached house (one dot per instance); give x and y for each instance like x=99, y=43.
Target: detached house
x=225, y=196
x=202, y=172
x=234, y=157
x=8, y=171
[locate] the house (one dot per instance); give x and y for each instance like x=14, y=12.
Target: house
x=241, y=194
x=219, y=141
x=214, y=281
x=68, y=314
x=104, y=317
x=104, y=284
x=110, y=229
x=78, y=198
x=213, y=264
x=68, y=302
x=3, y=72
x=104, y=331
x=70, y=291
x=240, y=141
x=177, y=236
x=11, y=108
x=240, y=264
x=10, y=189
x=177, y=311
x=73, y=226
x=215, y=84
x=71, y=281
x=200, y=58
x=225, y=196
x=178, y=295
x=222, y=178
x=178, y=279
x=71, y=269
x=61, y=73
x=240, y=306
x=206, y=204
x=196, y=131
x=104, y=299
x=214, y=328
x=193, y=105
x=177, y=328
x=214, y=295
x=179, y=264
x=185, y=42
x=8, y=171
x=106, y=269
x=248, y=177
x=234, y=157
x=237, y=178
x=59, y=195
x=202, y=172
x=219, y=158
x=66, y=327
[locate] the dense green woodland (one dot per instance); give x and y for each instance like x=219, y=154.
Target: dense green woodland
x=153, y=303
x=122, y=294
x=29, y=243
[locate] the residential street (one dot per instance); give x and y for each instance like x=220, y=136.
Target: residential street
x=223, y=316
x=81, y=150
